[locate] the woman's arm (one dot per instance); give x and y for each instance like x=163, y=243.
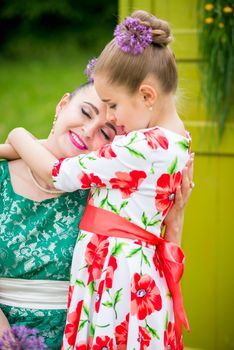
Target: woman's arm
x=4, y=324
x=35, y=155
x=175, y=218
x=8, y=152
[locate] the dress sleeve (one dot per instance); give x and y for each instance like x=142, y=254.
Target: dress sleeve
x=125, y=162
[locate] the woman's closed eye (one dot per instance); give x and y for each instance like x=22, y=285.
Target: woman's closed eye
x=108, y=133
x=87, y=114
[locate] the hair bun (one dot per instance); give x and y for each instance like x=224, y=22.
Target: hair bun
x=160, y=29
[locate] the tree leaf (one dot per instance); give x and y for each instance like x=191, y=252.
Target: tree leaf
x=113, y=207
x=123, y=205
x=133, y=252
x=166, y=322
x=117, y=296
x=153, y=223
x=80, y=283
x=82, y=324
x=91, y=287
x=135, y=153
x=152, y=331
x=172, y=168
x=117, y=249
x=145, y=259
x=86, y=310
x=107, y=304
x=81, y=236
x=92, y=330
x=184, y=144
x=144, y=219
x=133, y=138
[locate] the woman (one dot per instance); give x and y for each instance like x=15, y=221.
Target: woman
x=39, y=226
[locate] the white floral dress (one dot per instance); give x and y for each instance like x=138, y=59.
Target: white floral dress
x=119, y=298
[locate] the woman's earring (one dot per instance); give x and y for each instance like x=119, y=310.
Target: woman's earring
x=54, y=122
x=150, y=108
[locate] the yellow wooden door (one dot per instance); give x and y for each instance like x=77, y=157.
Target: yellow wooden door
x=208, y=238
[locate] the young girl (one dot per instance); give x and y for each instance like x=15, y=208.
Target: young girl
x=124, y=288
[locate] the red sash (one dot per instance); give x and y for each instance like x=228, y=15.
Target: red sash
x=171, y=256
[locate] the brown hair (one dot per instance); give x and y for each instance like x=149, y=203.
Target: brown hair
x=130, y=70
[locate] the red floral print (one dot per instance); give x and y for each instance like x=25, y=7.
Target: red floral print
x=90, y=180
x=95, y=255
x=145, y=296
x=56, y=167
x=73, y=319
x=165, y=191
x=170, y=337
x=112, y=266
x=99, y=295
x=70, y=292
x=103, y=342
x=81, y=346
x=144, y=338
x=121, y=334
x=156, y=138
x=128, y=182
x=106, y=151
x=157, y=263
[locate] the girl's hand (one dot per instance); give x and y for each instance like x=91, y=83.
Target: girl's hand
x=8, y=152
x=4, y=324
x=175, y=218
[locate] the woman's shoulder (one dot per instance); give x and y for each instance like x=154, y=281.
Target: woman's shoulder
x=4, y=170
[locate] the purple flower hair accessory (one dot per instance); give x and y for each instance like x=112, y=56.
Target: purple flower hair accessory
x=89, y=68
x=21, y=338
x=132, y=36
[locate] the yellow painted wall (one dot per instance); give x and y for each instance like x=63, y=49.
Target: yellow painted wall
x=208, y=238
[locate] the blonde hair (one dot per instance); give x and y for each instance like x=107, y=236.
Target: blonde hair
x=157, y=59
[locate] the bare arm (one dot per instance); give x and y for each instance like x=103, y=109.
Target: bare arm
x=175, y=218
x=35, y=155
x=8, y=152
x=4, y=324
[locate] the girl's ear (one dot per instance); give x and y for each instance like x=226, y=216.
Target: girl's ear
x=149, y=94
x=62, y=103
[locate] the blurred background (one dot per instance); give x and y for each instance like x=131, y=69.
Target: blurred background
x=44, y=49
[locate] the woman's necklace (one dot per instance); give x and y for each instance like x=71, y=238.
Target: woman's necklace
x=42, y=188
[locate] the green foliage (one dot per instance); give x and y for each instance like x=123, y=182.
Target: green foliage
x=31, y=88
x=216, y=40
x=85, y=21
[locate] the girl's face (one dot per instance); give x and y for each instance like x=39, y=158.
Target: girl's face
x=124, y=109
x=81, y=125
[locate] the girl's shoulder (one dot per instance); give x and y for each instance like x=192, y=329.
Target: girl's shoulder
x=155, y=137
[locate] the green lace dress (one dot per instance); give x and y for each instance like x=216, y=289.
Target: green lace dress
x=36, y=243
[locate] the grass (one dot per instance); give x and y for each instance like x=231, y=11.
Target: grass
x=33, y=83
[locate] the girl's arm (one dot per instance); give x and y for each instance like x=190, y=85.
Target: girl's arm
x=175, y=218
x=8, y=152
x=4, y=324
x=35, y=155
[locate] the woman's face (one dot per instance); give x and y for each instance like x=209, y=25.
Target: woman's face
x=81, y=125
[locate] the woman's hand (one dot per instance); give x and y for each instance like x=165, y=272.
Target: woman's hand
x=175, y=218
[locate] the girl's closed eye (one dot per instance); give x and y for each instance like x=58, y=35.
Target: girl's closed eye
x=113, y=106
x=84, y=112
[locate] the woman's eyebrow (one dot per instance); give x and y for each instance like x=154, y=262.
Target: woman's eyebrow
x=93, y=107
x=111, y=126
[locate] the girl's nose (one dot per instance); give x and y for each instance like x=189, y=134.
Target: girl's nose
x=110, y=116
